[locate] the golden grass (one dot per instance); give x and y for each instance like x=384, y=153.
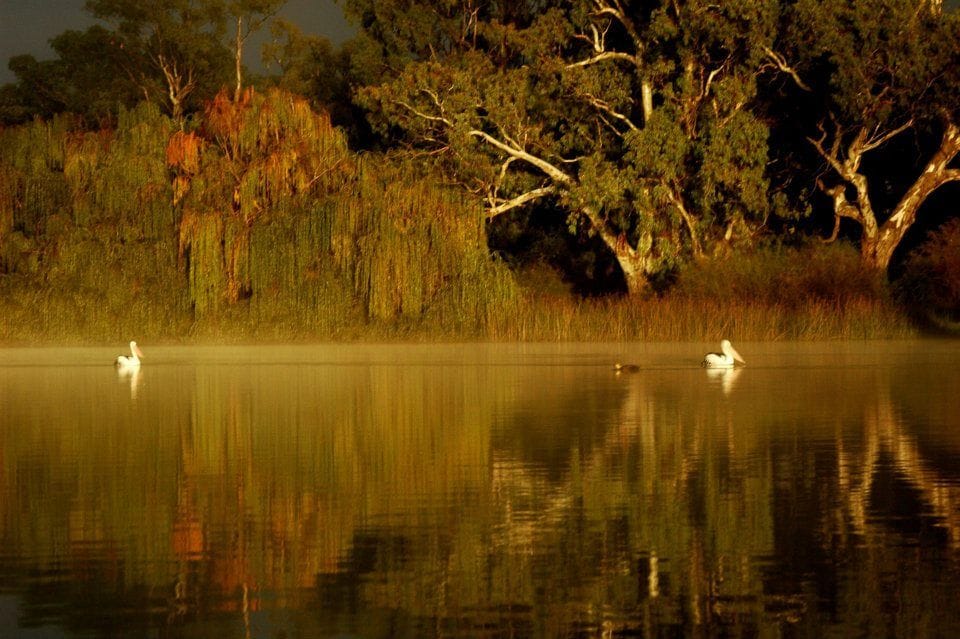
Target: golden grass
x=688, y=319
x=37, y=316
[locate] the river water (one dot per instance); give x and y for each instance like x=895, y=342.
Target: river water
x=481, y=491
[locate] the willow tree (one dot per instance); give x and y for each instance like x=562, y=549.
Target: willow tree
x=886, y=69
x=632, y=119
x=256, y=157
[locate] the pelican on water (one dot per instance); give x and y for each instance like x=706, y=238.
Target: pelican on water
x=724, y=359
x=133, y=361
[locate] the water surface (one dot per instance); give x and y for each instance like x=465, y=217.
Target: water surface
x=481, y=491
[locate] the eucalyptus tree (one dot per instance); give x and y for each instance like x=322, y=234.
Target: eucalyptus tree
x=632, y=118
x=249, y=17
x=170, y=49
x=884, y=68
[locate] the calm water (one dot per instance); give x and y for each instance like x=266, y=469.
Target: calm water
x=481, y=491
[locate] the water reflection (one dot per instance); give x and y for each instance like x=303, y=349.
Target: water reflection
x=483, y=491
x=725, y=377
x=130, y=376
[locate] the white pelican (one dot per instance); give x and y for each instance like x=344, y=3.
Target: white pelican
x=124, y=362
x=724, y=359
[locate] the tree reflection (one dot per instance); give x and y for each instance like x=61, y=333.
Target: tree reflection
x=426, y=500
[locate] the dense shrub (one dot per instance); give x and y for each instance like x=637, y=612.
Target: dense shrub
x=931, y=275
x=788, y=276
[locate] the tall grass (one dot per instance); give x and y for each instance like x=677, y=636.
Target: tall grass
x=814, y=292
x=687, y=319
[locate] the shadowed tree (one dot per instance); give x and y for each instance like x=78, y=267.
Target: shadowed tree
x=176, y=53
x=632, y=119
x=77, y=80
x=884, y=68
x=173, y=49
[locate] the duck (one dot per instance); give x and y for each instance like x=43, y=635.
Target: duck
x=133, y=361
x=625, y=368
x=726, y=358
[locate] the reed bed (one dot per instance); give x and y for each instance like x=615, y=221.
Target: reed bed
x=773, y=293
x=32, y=314
x=688, y=319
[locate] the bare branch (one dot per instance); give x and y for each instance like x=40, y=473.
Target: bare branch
x=616, y=10
x=781, y=64
x=604, y=106
x=550, y=170
x=499, y=206
x=422, y=115
x=503, y=169
x=830, y=156
x=673, y=194
x=606, y=55
x=713, y=74
x=950, y=175
x=879, y=140
x=835, y=232
x=842, y=207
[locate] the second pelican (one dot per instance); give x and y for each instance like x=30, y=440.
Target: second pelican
x=723, y=359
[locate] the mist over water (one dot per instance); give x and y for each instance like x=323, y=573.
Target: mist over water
x=481, y=490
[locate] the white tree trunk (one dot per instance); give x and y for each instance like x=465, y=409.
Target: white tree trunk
x=878, y=244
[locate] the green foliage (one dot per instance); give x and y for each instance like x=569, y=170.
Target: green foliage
x=421, y=252
x=392, y=250
x=279, y=216
x=878, y=70
x=522, y=104
x=311, y=67
x=260, y=222
x=87, y=228
x=257, y=158
x=882, y=60
x=120, y=178
x=173, y=52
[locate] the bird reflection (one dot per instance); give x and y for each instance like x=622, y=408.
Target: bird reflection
x=133, y=376
x=727, y=377
x=625, y=368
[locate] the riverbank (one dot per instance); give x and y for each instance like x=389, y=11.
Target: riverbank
x=767, y=295
x=533, y=318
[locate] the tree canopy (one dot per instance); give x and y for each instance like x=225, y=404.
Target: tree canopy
x=668, y=131
x=884, y=69
x=634, y=119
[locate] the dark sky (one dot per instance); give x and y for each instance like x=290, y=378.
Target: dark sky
x=26, y=26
